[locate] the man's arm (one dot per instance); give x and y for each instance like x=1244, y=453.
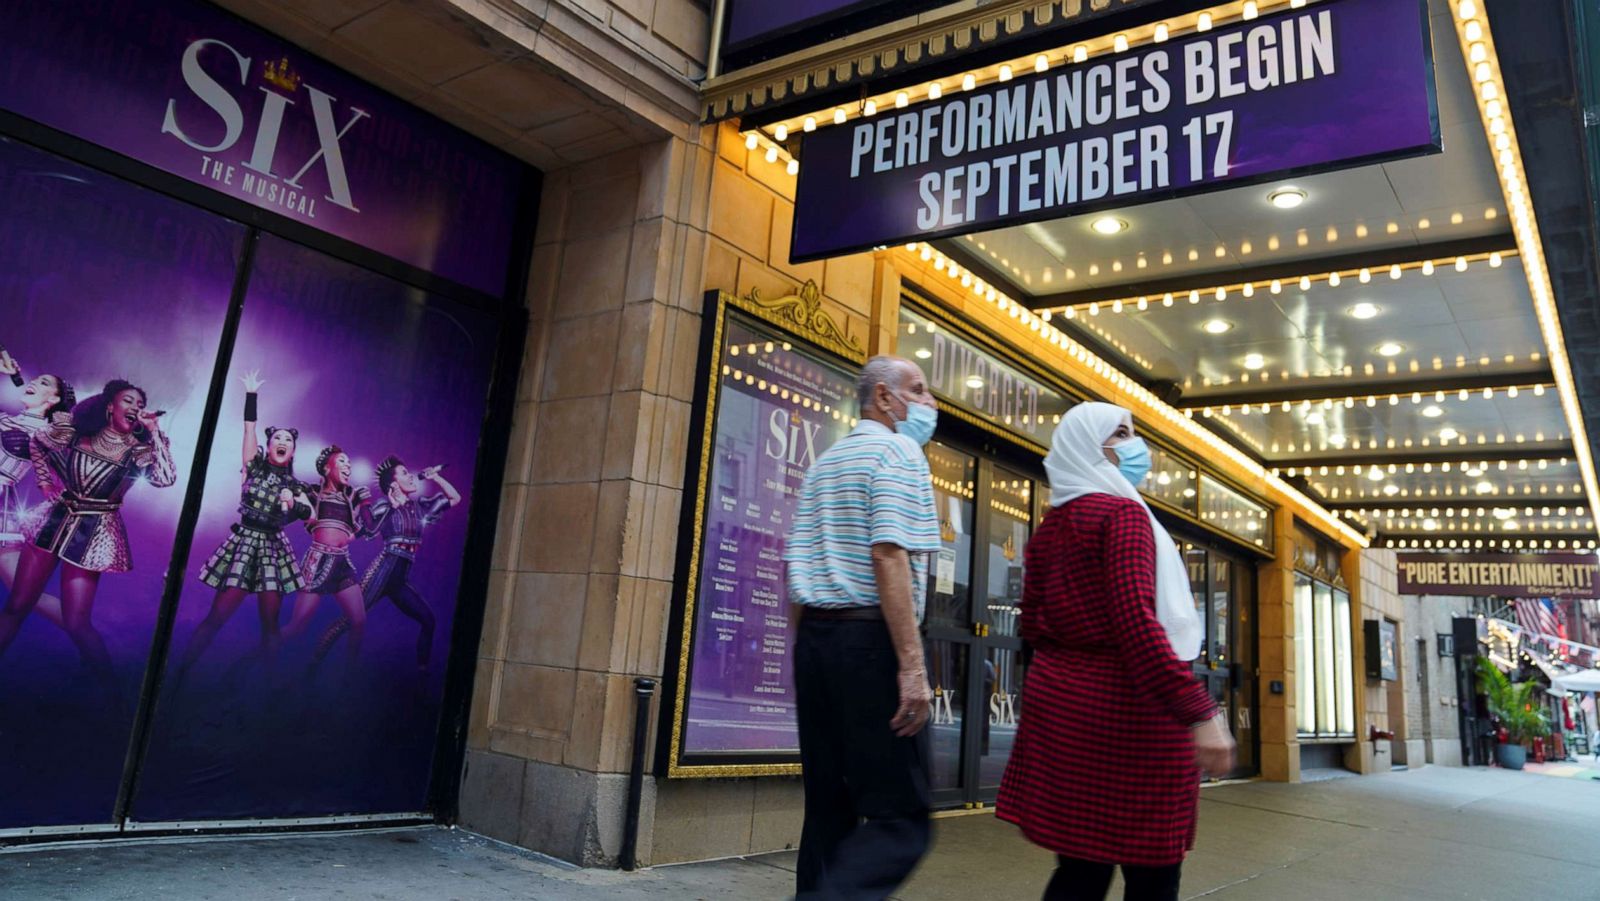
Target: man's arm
x=891, y=566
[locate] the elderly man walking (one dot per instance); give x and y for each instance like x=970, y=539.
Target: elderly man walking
x=858, y=569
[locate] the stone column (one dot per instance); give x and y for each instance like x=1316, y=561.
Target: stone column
x=1280, y=744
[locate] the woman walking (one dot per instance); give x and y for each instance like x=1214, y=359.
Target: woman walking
x=1106, y=769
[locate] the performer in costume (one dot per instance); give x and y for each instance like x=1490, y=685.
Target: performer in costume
x=86, y=462
x=256, y=558
x=340, y=512
x=42, y=397
x=400, y=517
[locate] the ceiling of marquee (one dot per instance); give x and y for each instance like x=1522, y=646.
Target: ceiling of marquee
x=1416, y=402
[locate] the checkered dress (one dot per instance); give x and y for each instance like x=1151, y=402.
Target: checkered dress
x=1104, y=768
x=257, y=557
x=256, y=560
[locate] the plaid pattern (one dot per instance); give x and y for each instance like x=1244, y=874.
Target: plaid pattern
x=1103, y=769
x=254, y=560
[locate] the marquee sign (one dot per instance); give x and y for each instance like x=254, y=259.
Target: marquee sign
x=1336, y=84
x=1501, y=575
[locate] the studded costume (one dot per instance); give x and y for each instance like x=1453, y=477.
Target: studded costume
x=257, y=557
x=87, y=478
x=327, y=569
x=16, y=465
x=389, y=576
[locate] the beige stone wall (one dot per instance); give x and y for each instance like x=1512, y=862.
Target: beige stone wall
x=1280, y=744
x=1379, y=599
x=583, y=567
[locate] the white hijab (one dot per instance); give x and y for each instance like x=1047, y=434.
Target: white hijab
x=1077, y=466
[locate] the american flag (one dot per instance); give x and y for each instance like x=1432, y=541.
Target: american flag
x=1537, y=616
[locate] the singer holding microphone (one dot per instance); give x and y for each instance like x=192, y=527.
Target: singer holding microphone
x=399, y=517
x=85, y=462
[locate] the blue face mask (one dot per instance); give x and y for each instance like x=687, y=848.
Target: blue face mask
x=1133, y=459
x=919, y=423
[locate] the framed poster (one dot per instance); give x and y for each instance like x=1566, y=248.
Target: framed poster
x=778, y=388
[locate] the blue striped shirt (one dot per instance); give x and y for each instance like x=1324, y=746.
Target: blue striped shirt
x=871, y=487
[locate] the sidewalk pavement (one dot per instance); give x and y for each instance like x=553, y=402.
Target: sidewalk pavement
x=1425, y=834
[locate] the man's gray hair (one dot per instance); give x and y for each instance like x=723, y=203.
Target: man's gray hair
x=883, y=368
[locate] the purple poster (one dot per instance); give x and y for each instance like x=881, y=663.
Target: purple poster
x=102, y=285
x=308, y=657
x=778, y=408
x=1340, y=83
x=753, y=20
x=192, y=90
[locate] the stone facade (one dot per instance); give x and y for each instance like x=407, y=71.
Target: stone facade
x=1433, y=724
x=643, y=211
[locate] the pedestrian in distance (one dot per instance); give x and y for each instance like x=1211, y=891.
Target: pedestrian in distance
x=857, y=555
x=1107, y=764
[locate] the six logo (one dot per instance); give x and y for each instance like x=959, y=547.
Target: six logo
x=263, y=151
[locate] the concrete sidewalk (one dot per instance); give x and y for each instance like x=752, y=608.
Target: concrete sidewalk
x=1429, y=833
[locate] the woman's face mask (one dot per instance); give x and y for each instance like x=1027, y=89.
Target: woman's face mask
x=1133, y=459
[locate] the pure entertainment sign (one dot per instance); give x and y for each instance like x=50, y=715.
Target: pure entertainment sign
x=1501, y=575
x=1336, y=84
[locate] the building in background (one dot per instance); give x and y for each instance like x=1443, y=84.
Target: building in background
x=619, y=300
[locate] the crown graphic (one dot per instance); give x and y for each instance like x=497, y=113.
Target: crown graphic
x=795, y=417
x=280, y=74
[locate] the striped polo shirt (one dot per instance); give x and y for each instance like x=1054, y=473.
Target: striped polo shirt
x=871, y=487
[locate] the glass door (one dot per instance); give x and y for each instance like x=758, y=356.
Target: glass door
x=987, y=512
x=1009, y=524
x=949, y=617
x=1224, y=597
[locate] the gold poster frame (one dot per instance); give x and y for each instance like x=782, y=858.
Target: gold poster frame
x=799, y=316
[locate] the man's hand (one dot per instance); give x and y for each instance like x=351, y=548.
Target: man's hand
x=915, y=696
x=1213, y=746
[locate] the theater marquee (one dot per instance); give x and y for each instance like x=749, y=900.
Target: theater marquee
x=1338, y=84
x=1501, y=575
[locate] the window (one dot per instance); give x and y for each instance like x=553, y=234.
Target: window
x=1324, y=667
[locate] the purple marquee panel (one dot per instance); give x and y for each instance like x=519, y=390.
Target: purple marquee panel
x=1336, y=84
x=98, y=280
x=189, y=89
x=352, y=359
x=778, y=408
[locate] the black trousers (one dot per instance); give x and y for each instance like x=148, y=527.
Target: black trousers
x=1082, y=880
x=867, y=795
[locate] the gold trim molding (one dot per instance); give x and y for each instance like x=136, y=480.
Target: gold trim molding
x=803, y=314
x=913, y=41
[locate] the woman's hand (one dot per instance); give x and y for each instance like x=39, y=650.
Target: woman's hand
x=1213, y=746
x=151, y=420
x=252, y=381
x=8, y=366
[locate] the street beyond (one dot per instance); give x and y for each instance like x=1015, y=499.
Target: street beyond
x=1430, y=833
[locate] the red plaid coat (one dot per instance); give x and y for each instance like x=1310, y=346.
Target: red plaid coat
x=1103, y=768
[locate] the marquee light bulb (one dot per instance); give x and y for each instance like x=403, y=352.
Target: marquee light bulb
x=750, y=141
x=969, y=81
x=935, y=91
x=838, y=117
x=781, y=132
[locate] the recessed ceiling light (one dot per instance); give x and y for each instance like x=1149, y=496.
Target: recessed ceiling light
x=1253, y=361
x=1390, y=349
x=1109, y=225
x=1430, y=524
x=1448, y=434
x=1336, y=440
x=1504, y=513
x=1475, y=472
x=1433, y=411
x=974, y=382
x=1391, y=489
x=1287, y=198
x=1511, y=525
x=1188, y=492
x=1217, y=326
x=923, y=353
x=1375, y=474
x=1484, y=487
x=1363, y=310
x=1314, y=418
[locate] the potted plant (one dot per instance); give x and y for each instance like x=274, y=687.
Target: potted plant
x=1513, y=705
